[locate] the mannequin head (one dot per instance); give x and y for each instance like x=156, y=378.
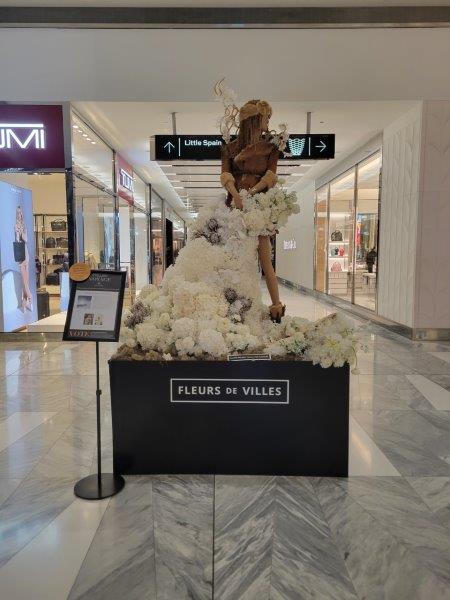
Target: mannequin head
x=254, y=118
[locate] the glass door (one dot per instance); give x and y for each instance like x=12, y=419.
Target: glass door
x=340, y=235
x=366, y=231
x=321, y=237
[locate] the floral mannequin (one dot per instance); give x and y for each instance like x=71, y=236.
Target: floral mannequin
x=250, y=163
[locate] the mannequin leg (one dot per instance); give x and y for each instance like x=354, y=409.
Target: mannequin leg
x=264, y=251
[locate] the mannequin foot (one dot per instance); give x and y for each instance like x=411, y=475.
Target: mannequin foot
x=277, y=311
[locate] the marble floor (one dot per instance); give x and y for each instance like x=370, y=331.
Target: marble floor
x=381, y=534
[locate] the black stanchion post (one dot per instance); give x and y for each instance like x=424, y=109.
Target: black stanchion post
x=101, y=485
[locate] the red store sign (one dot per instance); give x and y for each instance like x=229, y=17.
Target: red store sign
x=31, y=137
x=125, y=178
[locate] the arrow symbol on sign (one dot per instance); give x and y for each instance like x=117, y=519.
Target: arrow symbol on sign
x=322, y=146
x=168, y=146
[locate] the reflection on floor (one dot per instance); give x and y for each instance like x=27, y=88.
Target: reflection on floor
x=383, y=533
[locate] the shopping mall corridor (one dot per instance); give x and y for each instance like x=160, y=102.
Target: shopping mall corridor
x=381, y=533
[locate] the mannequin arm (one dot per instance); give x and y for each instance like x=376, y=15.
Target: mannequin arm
x=269, y=179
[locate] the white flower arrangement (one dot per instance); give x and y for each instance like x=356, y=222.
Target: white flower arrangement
x=265, y=212
x=209, y=304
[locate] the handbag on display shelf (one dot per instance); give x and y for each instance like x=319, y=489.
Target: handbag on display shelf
x=19, y=251
x=61, y=242
x=50, y=242
x=58, y=225
x=336, y=236
x=58, y=259
x=52, y=279
x=336, y=267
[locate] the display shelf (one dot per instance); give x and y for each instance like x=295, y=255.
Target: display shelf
x=58, y=248
x=43, y=230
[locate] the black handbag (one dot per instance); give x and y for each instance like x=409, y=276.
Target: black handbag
x=52, y=279
x=61, y=242
x=58, y=259
x=336, y=236
x=19, y=251
x=58, y=225
x=50, y=242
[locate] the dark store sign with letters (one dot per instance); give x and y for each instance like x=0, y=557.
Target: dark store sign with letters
x=95, y=307
x=230, y=391
x=301, y=146
x=31, y=136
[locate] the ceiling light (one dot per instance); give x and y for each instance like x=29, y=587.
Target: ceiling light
x=88, y=139
x=166, y=166
x=93, y=143
x=85, y=135
x=178, y=187
x=297, y=174
x=75, y=126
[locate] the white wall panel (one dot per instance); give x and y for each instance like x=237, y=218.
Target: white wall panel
x=398, y=218
x=432, y=305
x=297, y=265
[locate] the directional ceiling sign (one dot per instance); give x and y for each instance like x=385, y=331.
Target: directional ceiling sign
x=301, y=146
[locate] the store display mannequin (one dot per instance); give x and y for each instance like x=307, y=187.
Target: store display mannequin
x=250, y=163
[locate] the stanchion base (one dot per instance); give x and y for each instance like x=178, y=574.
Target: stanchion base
x=89, y=488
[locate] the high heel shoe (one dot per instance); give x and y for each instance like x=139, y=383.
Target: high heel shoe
x=277, y=312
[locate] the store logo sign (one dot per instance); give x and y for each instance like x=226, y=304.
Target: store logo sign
x=289, y=244
x=22, y=135
x=126, y=180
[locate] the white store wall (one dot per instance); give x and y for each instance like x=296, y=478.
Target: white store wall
x=398, y=217
x=296, y=265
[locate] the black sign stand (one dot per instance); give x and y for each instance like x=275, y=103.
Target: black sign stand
x=100, y=485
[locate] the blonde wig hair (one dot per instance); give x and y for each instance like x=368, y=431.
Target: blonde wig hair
x=233, y=116
x=247, y=120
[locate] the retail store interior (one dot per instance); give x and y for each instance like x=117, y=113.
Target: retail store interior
x=369, y=244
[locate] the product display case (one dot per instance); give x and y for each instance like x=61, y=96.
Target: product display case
x=51, y=250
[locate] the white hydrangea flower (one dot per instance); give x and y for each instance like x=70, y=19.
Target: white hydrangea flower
x=183, y=328
x=212, y=342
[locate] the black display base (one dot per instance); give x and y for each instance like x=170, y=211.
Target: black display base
x=257, y=417
x=90, y=488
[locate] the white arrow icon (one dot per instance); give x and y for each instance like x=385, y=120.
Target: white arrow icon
x=168, y=146
x=322, y=146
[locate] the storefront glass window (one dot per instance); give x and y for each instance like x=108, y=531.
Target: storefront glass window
x=95, y=225
x=92, y=158
x=366, y=231
x=340, y=235
x=126, y=237
x=157, y=239
x=321, y=239
x=346, y=235
x=141, y=234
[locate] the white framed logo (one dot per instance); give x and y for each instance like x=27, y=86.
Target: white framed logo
x=22, y=135
x=126, y=180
